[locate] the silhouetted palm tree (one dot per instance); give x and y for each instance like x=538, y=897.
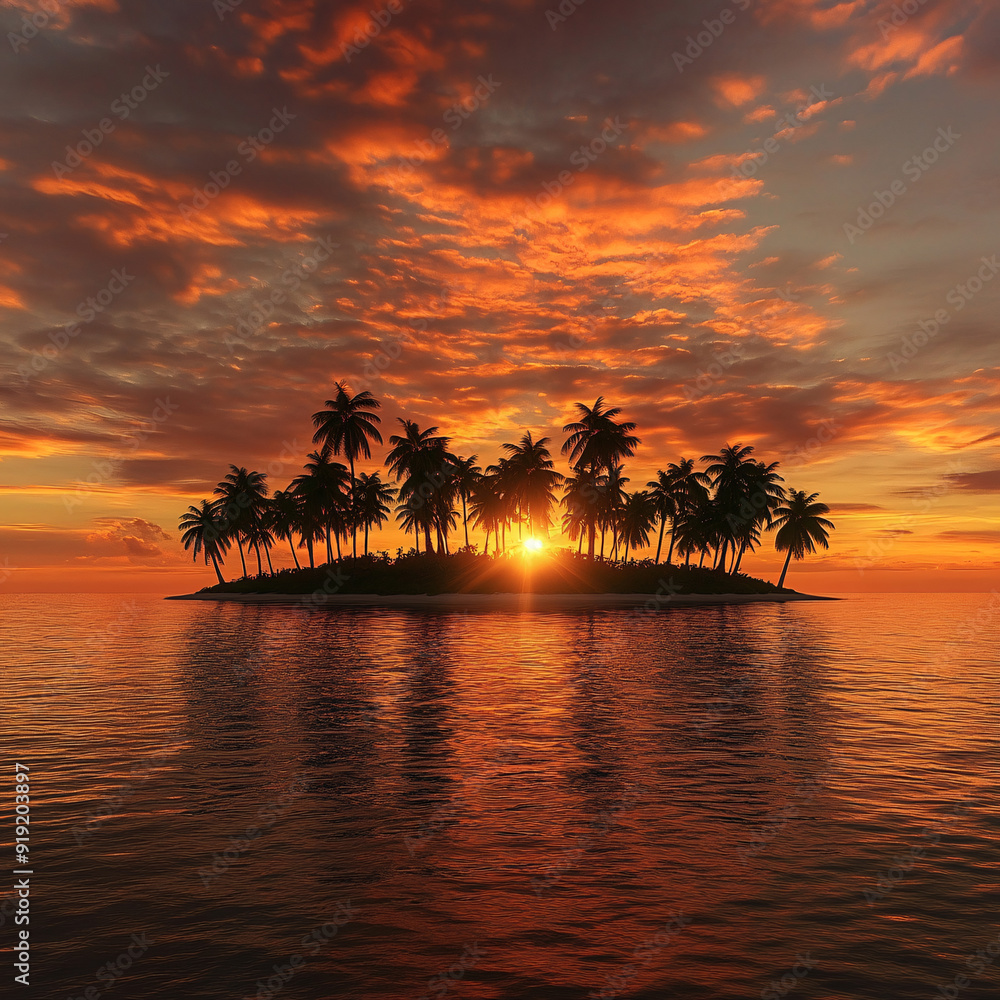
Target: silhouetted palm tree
x=801, y=527
x=466, y=476
x=532, y=480
x=409, y=519
x=488, y=507
x=637, y=519
x=314, y=522
x=349, y=424
x=699, y=529
x=332, y=482
x=242, y=495
x=374, y=498
x=202, y=530
x=664, y=496
x=598, y=442
x=763, y=493
x=728, y=472
x=678, y=492
x=580, y=498
x=611, y=487
x=501, y=478
x=285, y=517
x=420, y=460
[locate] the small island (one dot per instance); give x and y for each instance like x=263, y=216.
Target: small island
x=691, y=526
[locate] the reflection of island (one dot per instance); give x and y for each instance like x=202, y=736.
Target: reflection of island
x=714, y=516
x=488, y=764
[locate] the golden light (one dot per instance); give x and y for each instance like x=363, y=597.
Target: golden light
x=533, y=544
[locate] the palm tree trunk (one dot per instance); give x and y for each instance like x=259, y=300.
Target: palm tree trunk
x=309, y=546
x=659, y=544
x=291, y=545
x=739, y=559
x=270, y=565
x=336, y=536
x=366, y=538
x=784, y=570
x=215, y=563
x=428, y=546
x=670, y=551
x=723, y=551
x=354, y=507
x=579, y=548
x=260, y=568
x=239, y=542
x=329, y=547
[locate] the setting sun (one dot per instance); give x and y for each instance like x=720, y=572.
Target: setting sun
x=533, y=544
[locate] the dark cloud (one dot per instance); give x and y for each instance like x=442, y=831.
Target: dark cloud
x=987, y=481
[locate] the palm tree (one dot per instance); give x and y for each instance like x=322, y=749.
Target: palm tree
x=313, y=522
x=203, y=530
x=501, y=478
x=466, y=475
x=532, y=479
x=597, y=441
x=332, y=483
x=348, y=424
x=259, y=534
x=698, y=531
x=580, y=497
x=638, y=517
x=764, y=494
x=374, y=498
x=611, y=487
x=488, y=506
x=242, y=495
x=728, y=472
x=444, y=514
x=420, y=459
x=285, y=517
x=409, y=519
x=678, y=491
x=801, y=527
x=664, y=496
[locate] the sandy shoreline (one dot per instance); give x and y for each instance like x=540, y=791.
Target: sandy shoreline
x=499, y=601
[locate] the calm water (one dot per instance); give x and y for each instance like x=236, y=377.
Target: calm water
x=691, y=803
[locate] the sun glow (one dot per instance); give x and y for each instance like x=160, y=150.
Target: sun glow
x=533, y=544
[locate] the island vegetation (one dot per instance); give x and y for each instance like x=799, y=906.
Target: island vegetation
x=701, y=521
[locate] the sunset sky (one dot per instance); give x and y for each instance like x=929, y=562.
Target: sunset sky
x=521, y=204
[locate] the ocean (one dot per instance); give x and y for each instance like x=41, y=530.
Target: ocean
x=696, y=802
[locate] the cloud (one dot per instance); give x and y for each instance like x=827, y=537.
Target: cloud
x=987, y=536
x=841, y=507
x=987, y=481
x=503, y=262
x=134, y=537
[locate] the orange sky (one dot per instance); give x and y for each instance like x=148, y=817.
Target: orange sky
x=783, y=237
